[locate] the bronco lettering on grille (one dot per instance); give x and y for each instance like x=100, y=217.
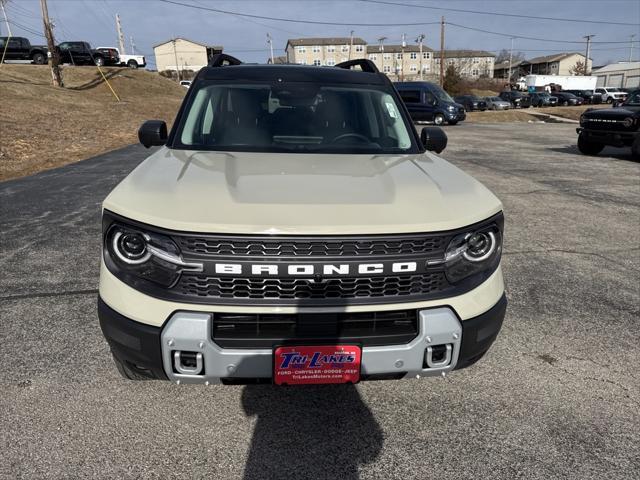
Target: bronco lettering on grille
x=306, y=270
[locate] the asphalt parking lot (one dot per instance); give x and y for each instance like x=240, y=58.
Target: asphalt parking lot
x=558, y=396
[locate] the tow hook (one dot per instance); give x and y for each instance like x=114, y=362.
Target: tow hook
x=438, y=355
x=188, y=363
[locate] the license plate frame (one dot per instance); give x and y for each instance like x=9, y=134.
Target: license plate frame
x=311, y=364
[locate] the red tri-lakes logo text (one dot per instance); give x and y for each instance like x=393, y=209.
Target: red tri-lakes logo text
x=315, y=360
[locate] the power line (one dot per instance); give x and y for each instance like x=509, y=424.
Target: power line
x=499, y=14
x=293, y=20
x=26, y=29
x=531, y=38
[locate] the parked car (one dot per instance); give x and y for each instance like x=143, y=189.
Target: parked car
x=567, y=99
x=185, y=83
x=111, y=56
x=20, y=48
x=496, y=103
x=428, y=102
x=542, y=99
x=471, y=102
x=128, y=60
x=589, y=96
x=80, y=53
x=611, y=94
x=283, y=197
x=618, y=127
x=517, y=99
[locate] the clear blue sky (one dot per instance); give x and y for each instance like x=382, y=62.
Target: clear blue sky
x=152, y=21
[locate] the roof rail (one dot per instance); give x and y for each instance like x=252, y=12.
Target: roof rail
x=222, y=60
x=363, y=63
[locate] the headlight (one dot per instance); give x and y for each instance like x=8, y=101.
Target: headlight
x=627, y=122
x=474, y=252
x=451, y=108
x=133, y=255
x=583, y=120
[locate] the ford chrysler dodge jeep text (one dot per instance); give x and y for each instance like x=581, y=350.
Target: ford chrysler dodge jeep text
x=294, y=228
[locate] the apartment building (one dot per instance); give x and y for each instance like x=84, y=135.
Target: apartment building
x=557, y=64
x=182, y=54
x=324, y=51
x=469, y=63
x=402, y=63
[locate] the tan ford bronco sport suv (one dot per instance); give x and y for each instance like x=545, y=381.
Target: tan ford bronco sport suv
x=294, y=228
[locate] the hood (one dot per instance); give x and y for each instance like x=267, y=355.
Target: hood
x=616, y=113
x=256, y=193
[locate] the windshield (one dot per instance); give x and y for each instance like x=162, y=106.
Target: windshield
x=293, y=117
x=441, y=94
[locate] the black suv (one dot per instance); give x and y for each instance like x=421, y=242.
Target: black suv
x=516, y=98
x=471, y=102
x=589, y=96
x=618, y=127
x=542, y=99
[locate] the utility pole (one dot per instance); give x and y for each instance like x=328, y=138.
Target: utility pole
x=402, y=47
x=133, y=46
x=350, y=44
x=631, y=47
x=419, y=40
x=270, y=42
x=381, y=42
x=56, y=75
x=442, y=51
x=510, y=61
x=586, y=60
x=6, y=20
x=175, y=55
x=120, y=35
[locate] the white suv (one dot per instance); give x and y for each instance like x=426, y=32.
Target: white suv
x=294, y=228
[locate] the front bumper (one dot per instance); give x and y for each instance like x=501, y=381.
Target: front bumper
x=151, y=350
x=614, y=138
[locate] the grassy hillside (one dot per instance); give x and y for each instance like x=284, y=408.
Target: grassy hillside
x=42, y=126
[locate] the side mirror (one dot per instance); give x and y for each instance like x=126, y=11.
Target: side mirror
x=433, y=139
x=153, y=133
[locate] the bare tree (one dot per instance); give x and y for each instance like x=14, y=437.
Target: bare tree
x=580, y=68
x=503, y=56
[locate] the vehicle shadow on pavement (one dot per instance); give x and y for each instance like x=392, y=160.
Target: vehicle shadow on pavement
x=309, y=432
x=618, y=154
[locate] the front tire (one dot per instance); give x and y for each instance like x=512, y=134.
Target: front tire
x=438, y=119
x=610, y=100
x=38, y=59
x=587, y=147
x=132, y=64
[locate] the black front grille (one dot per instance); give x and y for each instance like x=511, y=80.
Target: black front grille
x=265, y=331
x=301, y=289
x=304, y=247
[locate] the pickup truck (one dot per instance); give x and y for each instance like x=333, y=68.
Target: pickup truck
x=617, y=127
x=20, y=48
x=128, y=60
x=295, y=228
x=81, y=53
